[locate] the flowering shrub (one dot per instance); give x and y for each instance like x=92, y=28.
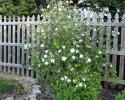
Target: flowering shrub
x=64, y=57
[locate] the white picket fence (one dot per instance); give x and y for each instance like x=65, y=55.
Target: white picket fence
x=15, y=31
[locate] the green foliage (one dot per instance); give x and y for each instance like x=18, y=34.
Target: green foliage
x=120, y=96
x=23, y=7
x=6, y=86
x=64, y=57
x=111, y=4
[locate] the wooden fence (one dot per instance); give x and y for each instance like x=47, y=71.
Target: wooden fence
x=13, y=36
x=109, y=34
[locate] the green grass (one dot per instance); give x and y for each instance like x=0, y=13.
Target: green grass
x=6, y=86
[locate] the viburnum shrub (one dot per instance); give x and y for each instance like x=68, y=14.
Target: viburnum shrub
x=64, y=57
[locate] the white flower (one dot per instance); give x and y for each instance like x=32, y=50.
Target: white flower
x=63, y=47
x=29, y=68
x=88, y=46
x=48, y=6
x=60, y=9
x=42, y=30
x=43, y=60
x=80, y=40
x=65, y=77
x=56, y=29
x=73, y=57
x=80, y=85
x=39, y=65
x=118, y=33
x=46, y=51
x=74, y=42
x=89, y=60
x=83, y=79
x=67, y=1
x=26, y=46
x=52, y=60
x=62, y=78
x=42, y=45
x=82, y=34
x=81, y=56
x=85, y=85
x=71, y=1
x=59, y=51
x=45, y=56
x=104, y=65
x=111, y=65
x=96, y=56
x=76, y=24
x=100, y=52
x=68, y=80
x=94, y=30
x=76, y=86
x=72, y=50
x=74, y=81
x=80, y=1
x=29, y=45
x=69, y=17
x=107, y=52
x=77, y=46
x=64, y=58
x=72, y=69
x=46, y=63
x=77, y=51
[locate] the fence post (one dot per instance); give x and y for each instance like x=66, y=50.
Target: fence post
x=1, y=54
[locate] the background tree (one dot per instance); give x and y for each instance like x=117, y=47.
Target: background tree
x=21, y=7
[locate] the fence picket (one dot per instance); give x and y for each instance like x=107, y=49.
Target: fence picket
x=27, y=38
x=5, y=40
x=23, y=41
x=108, y=34
x=13, y=41
x=18, y=48
x=101, y=40
x=1, y=54
x=94, y=30
x=115, y=43
x=9, y=41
